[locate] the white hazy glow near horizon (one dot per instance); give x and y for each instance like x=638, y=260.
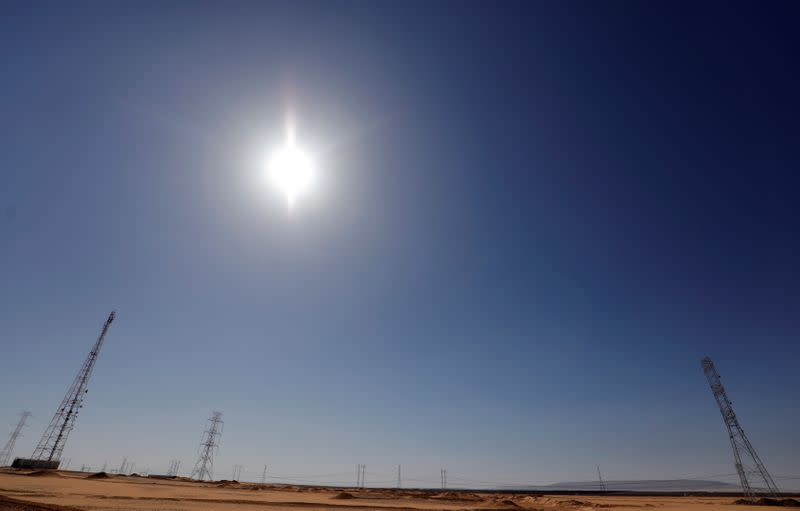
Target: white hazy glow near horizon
x=291, y=169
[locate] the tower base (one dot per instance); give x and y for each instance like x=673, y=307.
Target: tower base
x=35, y=464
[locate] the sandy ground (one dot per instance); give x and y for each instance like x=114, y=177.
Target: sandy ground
x=70, y=491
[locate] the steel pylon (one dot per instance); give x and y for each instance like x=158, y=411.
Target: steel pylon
x=8, y=449
x=209, y=445
x=743, y=450
x=55, y=436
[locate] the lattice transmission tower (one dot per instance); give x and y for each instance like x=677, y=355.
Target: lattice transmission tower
x=209, y=445
x=8, y=449
x=51, y=445
x=174, y=468
x=742, y=448
x=361, y=472
x=603, y=486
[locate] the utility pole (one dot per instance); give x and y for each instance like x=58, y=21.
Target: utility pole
x=209, y=445
x=123, y=466
x=600, y=478
x=399, y=478
x=264, y=476
x=237, y=472
x=739, y=443
x=8, y=449
x=48, y=451
x=444, y=479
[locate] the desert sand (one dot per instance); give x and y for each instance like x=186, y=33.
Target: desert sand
x=70, y=491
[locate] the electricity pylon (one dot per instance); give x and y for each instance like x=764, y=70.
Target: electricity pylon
x=174, y=467
x=739, y=442
x=209, y=445
x=55, y=436
x=8, y=449
x=361, y=472
x=600, y=478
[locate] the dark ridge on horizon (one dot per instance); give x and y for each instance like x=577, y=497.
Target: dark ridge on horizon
x=647, y=485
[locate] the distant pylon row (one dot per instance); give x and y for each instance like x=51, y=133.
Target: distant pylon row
x=47, y=453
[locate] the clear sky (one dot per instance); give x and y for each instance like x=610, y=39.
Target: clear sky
x=530, y=224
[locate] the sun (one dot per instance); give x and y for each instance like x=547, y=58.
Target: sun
x=291, y=169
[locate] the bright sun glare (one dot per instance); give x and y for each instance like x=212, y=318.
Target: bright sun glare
x=291, y=169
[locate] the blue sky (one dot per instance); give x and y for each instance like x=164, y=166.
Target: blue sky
x=531, y=223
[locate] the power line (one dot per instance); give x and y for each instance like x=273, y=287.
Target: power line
x=388, y=479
